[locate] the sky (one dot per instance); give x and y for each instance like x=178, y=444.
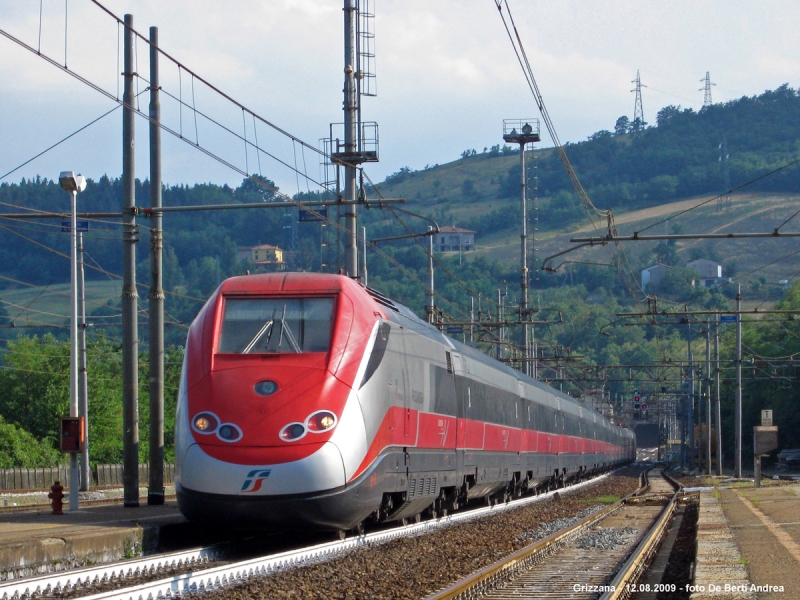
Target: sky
x=446, y=76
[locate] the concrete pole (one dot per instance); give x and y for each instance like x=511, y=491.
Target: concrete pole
x=498, y=353
x=709, y=419
x=738, y=408
x=690, y=404
x=130, y=317
x=74, y=471
x=83, y=384
x=523, y=279
x=155, y=488
x=717, y=392
x=365, y=280
x=350, y=140
x=472, y=319
x=430, y=305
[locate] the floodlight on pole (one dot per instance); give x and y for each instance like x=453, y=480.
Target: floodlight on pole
x=523, y=132
x=73, y=184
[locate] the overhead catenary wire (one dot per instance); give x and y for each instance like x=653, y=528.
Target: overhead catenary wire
x=730, y=191
x=194, y=109
x=196, y=143
x=586, y=202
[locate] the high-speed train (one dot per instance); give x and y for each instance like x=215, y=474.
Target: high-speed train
x=308, y=400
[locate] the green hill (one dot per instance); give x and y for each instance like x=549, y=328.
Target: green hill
x=679, y=157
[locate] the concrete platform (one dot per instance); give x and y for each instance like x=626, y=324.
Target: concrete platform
x=747, y=544
x=36, y=541
x=720, y=572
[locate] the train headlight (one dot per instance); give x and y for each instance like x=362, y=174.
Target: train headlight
x=228, y=432
x=293, y=432
x=265, y=388
x=320, y=421
x=205, y=423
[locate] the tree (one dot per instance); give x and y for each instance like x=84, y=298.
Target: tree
x=262, y=186
x=600, y=135
x=667, y=113
x=18, y=448
x=666, y=254
x=622, y=126
x=677, y=283
x=468, y=190
x=637, y=125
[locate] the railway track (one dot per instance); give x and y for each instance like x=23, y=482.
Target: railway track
x=127, y=578
x=602, y=556
x=47, y=506
x=113, y=575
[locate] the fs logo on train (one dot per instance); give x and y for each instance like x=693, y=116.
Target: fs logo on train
x=254, y=480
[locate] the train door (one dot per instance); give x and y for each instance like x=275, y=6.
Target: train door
x=458, y=367
x=523, y=422
x=409, y=415
x=396, y=386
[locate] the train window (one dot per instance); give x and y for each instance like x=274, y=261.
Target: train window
x=267, y=325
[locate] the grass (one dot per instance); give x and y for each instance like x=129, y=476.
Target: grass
x=715, y=493
x=741, y=484
x=440, y=189
x=603, y=500
x=50, y=305
x=742, y=561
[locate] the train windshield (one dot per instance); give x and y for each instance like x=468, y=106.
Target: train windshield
x=268, y=325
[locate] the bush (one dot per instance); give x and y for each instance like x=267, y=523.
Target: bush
x=18, y=448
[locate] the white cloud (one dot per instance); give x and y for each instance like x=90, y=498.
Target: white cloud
x=447, y=75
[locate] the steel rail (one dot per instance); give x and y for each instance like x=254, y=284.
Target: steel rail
x=624, y=582
x=45, y=507
x=623, y=586
x=61, y=581
x=527, y=557
x=218, y=577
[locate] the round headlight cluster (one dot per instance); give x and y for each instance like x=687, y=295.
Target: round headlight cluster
x=317, y=422
x=208, y=423
x=265, y=388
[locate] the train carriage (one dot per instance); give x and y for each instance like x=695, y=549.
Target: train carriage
x=309, y=400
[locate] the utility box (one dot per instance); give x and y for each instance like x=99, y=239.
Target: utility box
x=72, y=434
x=765, y=439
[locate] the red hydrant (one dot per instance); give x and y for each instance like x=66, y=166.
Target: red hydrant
x=56, y=495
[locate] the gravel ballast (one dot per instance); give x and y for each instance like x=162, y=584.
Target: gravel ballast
x=412, y=568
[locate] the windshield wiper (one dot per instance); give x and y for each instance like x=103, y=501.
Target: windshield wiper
x=267, y=328
x=289, y=337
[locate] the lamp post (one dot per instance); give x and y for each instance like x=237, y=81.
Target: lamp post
x=73, y=184
x=523, y=132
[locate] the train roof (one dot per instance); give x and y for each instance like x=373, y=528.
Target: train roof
x=408, y=318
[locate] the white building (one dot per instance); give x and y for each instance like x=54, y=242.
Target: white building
x=654, y=274
x=710, y=272
x=453, y=239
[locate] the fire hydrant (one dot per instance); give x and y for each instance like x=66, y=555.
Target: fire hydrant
x=56, y=495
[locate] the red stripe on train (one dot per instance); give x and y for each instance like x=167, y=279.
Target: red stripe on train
x=442, y=432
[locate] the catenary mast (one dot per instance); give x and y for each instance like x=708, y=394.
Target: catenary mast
x=360, y=142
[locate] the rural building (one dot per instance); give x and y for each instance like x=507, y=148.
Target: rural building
x=654, y=274
x=268, y=256
x=710, y=272
x=453, y=239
